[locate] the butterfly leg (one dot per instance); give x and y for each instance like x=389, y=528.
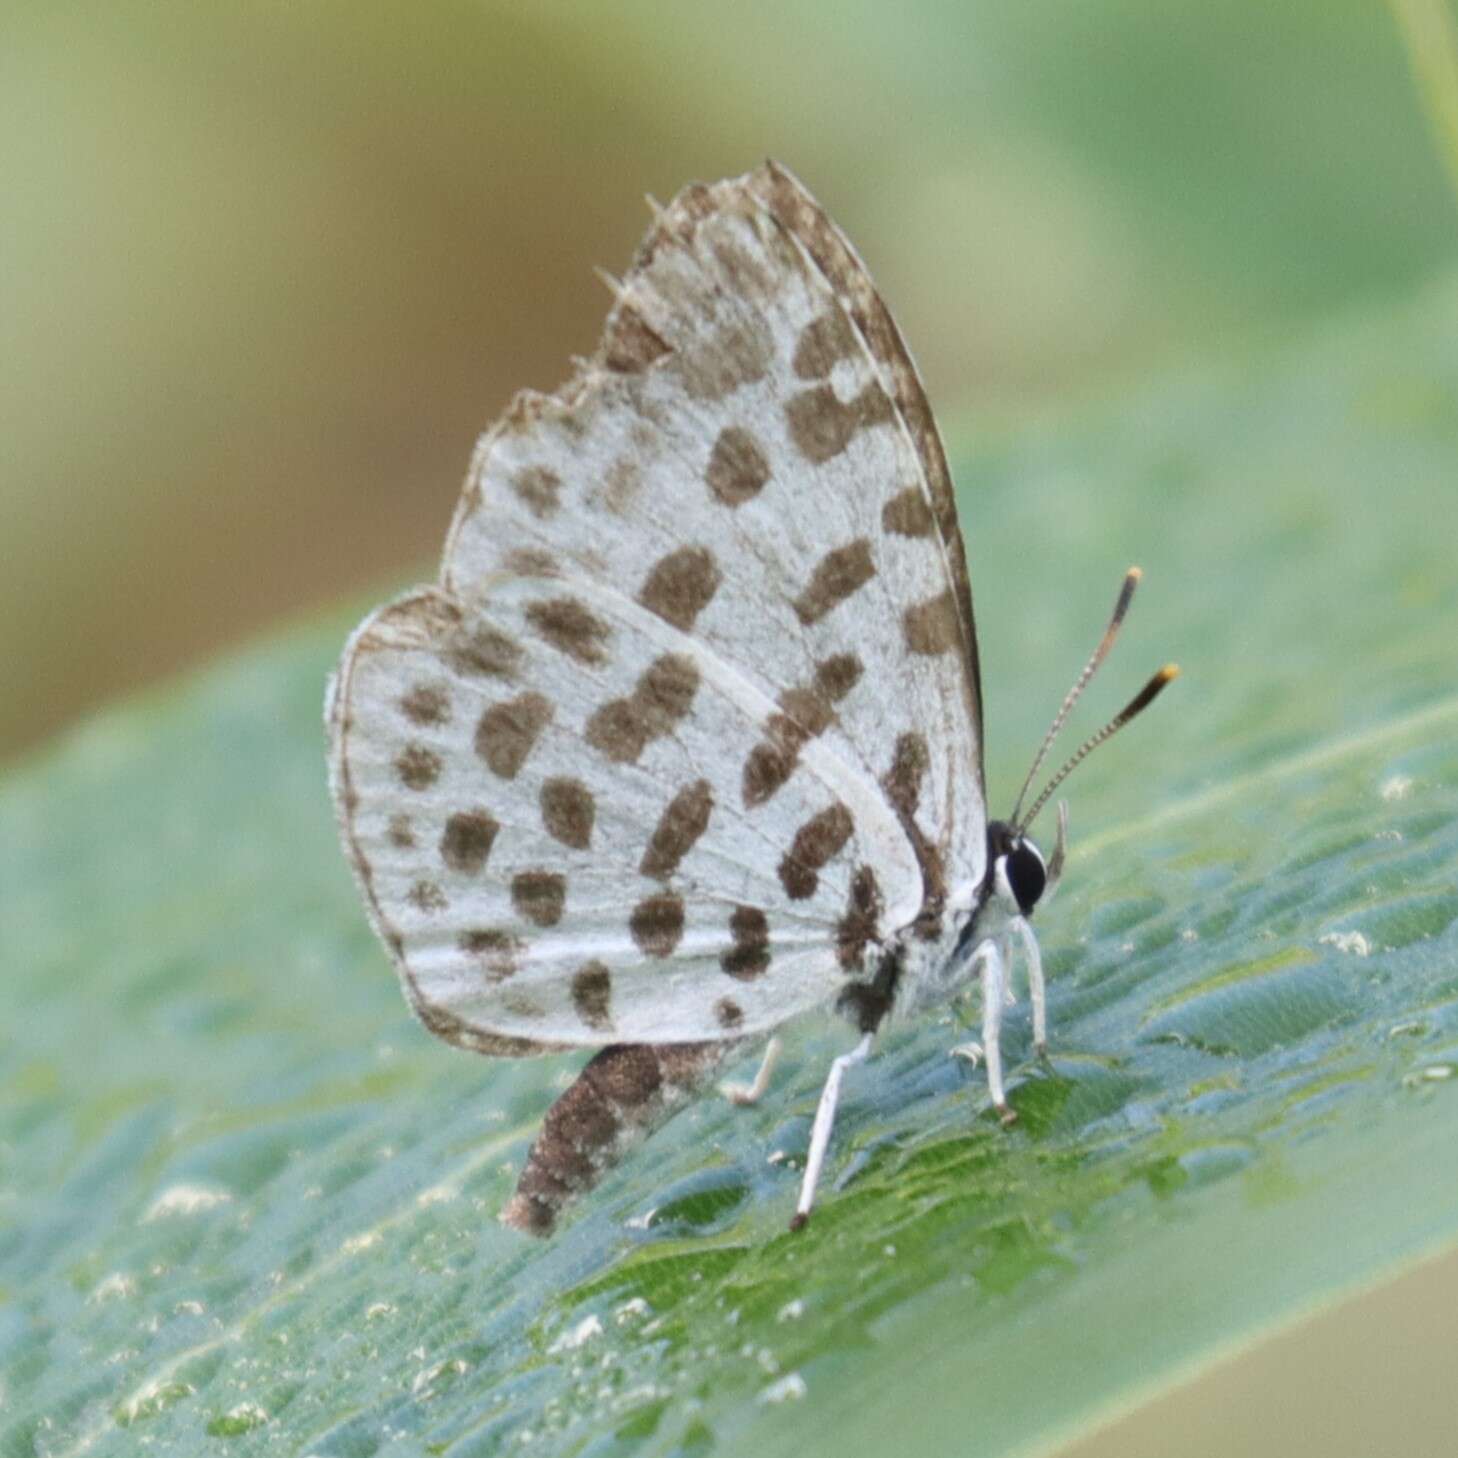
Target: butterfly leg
x=824, y=1120
x=994, y=990
x=1037, y=993
x=752, y=1093
x=972, y=1052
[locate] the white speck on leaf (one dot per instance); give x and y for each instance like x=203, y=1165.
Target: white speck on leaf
x=185, y=1199
x=790, y=1388
x=112, y=1288
x=579, y=1335
x=1396, y=787
x=1430, y=1073
x=1353, y=942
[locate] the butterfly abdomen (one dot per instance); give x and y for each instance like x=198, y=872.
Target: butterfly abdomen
x=618, y=1099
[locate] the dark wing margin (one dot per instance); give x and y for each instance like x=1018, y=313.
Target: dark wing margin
x=787, y=201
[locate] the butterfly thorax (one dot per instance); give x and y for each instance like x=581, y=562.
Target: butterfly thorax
x=934, y=971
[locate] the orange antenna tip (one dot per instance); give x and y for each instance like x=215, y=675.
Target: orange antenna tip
x=1132, y=709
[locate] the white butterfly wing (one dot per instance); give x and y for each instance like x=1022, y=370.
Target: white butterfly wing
x=692, y=719
x=751, y=455
x=541, y=795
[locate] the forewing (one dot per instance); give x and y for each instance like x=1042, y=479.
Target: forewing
x=541, y=793
x=750, y=456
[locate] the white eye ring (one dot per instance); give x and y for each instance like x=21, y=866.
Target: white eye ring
x=1032, y=884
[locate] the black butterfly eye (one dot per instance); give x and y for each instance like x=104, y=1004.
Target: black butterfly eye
x=1027, y=875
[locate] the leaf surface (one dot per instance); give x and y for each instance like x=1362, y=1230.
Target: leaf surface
x=245, y=1202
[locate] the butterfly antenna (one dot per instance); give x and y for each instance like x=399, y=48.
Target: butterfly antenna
x=1126, y=596
x=1131, y=710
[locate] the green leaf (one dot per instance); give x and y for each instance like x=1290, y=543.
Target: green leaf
x=248, y=1206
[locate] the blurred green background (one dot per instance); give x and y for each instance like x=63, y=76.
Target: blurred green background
x=267, y=270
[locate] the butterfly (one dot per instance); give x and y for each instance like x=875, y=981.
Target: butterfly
x=686, y=738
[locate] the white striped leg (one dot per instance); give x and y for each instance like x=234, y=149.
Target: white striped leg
x=752, y=1093
x=1037, y=994
x=993, y=961
x=994, y=989
x=824, y=1122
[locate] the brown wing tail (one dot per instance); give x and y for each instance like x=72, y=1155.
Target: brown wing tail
x=619, y=1098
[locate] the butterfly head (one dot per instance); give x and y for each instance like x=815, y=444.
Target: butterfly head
x=1019, y=874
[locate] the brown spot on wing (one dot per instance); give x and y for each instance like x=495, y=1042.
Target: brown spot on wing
x=629, y=343
x=749, y=957
x=931, y=627
x=666, y=690
x=570, y=628
x=467, y=840
x=728, y=1013
x=568, y=811
x=482, y=652
x=837, y=675
x=540, y=490
x=771, y=762
x=624, y=477
x=683, y=821
x=539, y=896
x=903, y=784
x=622, y=728
x=866, y=1001
x=498, y=951
x=908, y=514
x=426, y=704
x=909, y=765
x=616, y=730
x=657, y=924
x=837, y=575
x=744, y=273
x=507, y=731
x=821, y=424
x=681, y=585
x=530, y=562
x=519, y=1005
x=805, y=712
x=417, y=767
x=862, y=920
x=737, y=355
x=820, y=838
x=402, y=836
x=426, y=896
x=812, y=708
x=592, y=987
x=822, y=342
x=738, y=467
